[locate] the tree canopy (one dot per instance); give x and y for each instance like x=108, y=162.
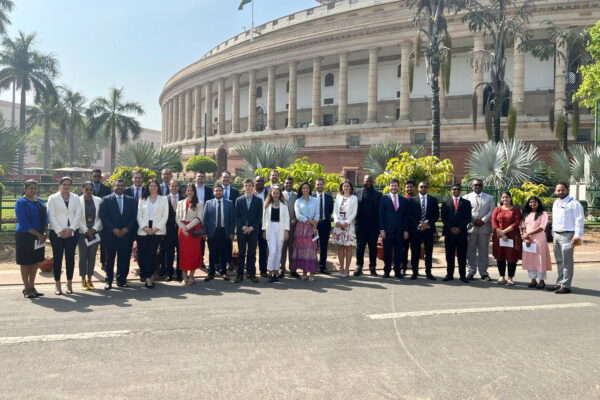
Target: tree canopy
x=589, y=90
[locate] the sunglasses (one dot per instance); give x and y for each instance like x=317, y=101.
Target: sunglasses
x=453, y=189
x=477, y=184
x=422, y=187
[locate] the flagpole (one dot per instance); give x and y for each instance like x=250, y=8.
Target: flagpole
x=252, y=32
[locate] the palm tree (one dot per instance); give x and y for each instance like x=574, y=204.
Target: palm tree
x=264, y=155
x=29, y=70
x=10, y=142
x=73, y=104
x=5, y=7
x=110, y=116
x=379, y=154
x=431, y=22
x=46, y=113
x=146, y=155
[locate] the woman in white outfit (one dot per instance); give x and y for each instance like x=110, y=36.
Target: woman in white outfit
x=276, y=229
x=89, y=225
x=344, y=212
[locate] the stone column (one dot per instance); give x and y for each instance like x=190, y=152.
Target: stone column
x=189, y=131
x=372, y=91
x=404, y=80
x=252, y=101
x=221, y=106
x=316, y=92
x=343, y=90
x=478, y=45
x=167, y=121
x=293, y=95
x=173, y=132
x=208, y=107
x=518, y=89
x=559, y=82
x=235, y=104
x=198, y=112
x=271, y=98
x=181, y=131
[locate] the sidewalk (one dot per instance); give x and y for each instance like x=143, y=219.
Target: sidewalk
x=10, y=275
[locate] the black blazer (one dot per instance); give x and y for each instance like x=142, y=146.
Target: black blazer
x=233, y=194
x=432, y=213
x=390, y=221
x=111, y=217
x=245, y=216
x=102, y=191
x=456, y=219
x=171, y=222
x=130, y=191
x=208, y=193
x=367, y=215
x=327, y=207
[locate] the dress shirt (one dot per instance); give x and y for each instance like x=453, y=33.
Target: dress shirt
x=137, y=192
x=321, y=200
x=248, y=201
x=120, y=202
x=200, y=193
x=226, y=191
x=261, y=195
x=306, y=210
x=151, y=207
x=567, y=215
x=174, y=199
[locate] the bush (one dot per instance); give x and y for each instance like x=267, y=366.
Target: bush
x=126, y=173
x=528, y=189
x=431, y=169
x=301, y=170
x=201, y=164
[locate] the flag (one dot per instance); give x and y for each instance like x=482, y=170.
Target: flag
x=243, y=3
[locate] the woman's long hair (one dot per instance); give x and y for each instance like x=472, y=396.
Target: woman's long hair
x=527, y=209
x=195, y=200
x=269, y=200
x=146, y=190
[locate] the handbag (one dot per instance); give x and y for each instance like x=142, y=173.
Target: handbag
x=548, y=231
x=198, y=231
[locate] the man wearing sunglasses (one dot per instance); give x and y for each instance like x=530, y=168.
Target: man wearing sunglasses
x=480, y=229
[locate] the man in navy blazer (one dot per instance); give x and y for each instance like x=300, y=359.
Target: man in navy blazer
x=248, y=219
x=219, y=222
x=424, y=213
x=325, y=207
x=393, y=228
x=169, y=244
x=98, y=188
x=137, y=189
x=118, y=213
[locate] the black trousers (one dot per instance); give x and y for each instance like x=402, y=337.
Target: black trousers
x=366, y=235
x=64, y=247
x=512, y=268
x=168, y=246
x=217, y=246
x=324, y=229
x=407, y=246
x=247, y=253
x=418, y=237
x=119, y=249
x=456, y=244
x=147, y=247
x=392, y=249
x=203, y=247
x=263, y=251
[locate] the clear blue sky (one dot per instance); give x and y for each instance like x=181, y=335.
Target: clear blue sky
x=135, y=44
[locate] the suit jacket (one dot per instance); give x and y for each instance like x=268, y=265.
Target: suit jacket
x=245, y=216
x=482, y=210
x=208, y=194
x=159, y=220
x=171, y=222
x=327, y=207
x=367, y=215
x=432, y=212
x=130, y=191
x=111, y=217
x=290, y=205
x=61, y=217
x=393, y=221
x=233, y=194
x=209, y=218
x=459, y=218
x=82, y=222
x=102, y=191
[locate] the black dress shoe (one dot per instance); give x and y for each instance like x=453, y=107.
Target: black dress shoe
x=324, y=271
x=486, y=278
x=225, y=277
x=563, y=290
x=399, y=276
x=142, y=280
x=149, y=286
x=168, y=278
x=464, y=280
x=386, y=275
x=209, y=278
x=271, y=279
x=553, y=288
x=238, y=279
x=431, y=277
x=471, y=277
x=263, y=275
x=358, y=272
x=448, y=278
x=124, y=285
x=413, y=277
x=532, y=285
x=373, y=272
x=254, y=279
x=107, y=286
x=295, y=274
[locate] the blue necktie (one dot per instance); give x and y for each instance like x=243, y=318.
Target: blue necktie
x=120, y=201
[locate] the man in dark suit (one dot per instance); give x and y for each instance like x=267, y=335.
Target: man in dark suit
x=424, y=212
x=169, y=244
x=456, y=215
x=166, y=176
x=409, y=192
x=393, y=228
x=98, y=188
x=248, y=218
x=137, y=189
x=204, y=193
x=325, y=206
x=261, y=192
x=219, y=222
x=367, y=226
x=229, y=193
x=118, y=213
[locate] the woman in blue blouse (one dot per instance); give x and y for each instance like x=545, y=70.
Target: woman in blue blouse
x=32, y=220
x=305, y=248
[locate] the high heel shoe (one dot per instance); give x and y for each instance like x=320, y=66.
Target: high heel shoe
x=84, y=285
x=69, y=288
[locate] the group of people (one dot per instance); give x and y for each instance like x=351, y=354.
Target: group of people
x=169, y=226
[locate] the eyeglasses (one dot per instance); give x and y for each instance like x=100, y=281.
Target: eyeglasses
x=422, y=187
x=453, y=189
x=477, y=184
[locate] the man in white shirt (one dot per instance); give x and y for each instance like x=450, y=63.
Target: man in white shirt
x=567, y=230
x=480, y=230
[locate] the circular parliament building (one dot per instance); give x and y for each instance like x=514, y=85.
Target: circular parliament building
x=334, y=79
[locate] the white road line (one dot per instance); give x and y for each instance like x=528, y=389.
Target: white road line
x=68, y=336
x=478, y=310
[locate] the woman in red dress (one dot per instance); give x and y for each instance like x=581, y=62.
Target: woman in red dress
x=506, y=239
x=189, y=217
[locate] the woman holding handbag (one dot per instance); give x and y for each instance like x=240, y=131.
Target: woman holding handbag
x=189, y=219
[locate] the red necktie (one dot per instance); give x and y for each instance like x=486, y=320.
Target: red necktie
x=395, y=202
x=455, y=204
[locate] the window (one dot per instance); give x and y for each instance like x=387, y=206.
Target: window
x=584, y=136
x=300, y=141
x=419, y=138
x=287, y=87
x=259, y=92
x=353, y=141
x=303, y=124
x=216, y=103
x=287, y=106
x=397, y=113
x=351, y=176
x=399, y=71
x=329, y=80
x=398, y=94
x=353, y=121
x=328, y=101
x=327, y=119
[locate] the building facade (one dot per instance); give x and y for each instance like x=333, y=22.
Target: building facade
x=334, y=80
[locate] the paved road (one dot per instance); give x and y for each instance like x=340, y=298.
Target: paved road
x=298, y=340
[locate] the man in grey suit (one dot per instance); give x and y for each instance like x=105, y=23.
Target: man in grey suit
x=219, y=222
x=288, y=245
x=480, y=229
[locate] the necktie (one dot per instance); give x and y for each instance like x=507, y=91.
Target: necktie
x=455, y=204
x=219, y=214
x=477, y=203
x=226, y=196
x=137, y=193
x=288, y=196
x=423, y=210
x=120, y=202
x=173, y=202
x=395, y=202
x=321, y=216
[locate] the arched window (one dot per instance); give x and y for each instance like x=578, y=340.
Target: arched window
x=287, y=87
x=259, y=92
x=399, y=70
x=329, y=80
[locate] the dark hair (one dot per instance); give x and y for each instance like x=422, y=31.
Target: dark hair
x=527, y=209
x=349, y=183
x=65, y=178
x=87, y=183
x=248, y=180
x=320, y=179
x=137, y=171
x=28, y=183
x=96, y=170
x=506, y=192
x=300, y=188
x=565, y=184
x=194, y=201
x=218, y=185
x=408, y=182
x=146, y=190
x=289, y=178
x=275, y=170
x=394, y=180
x=118, y=180
x=456, y=185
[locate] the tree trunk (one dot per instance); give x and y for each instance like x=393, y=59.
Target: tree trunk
x=71, y=145
x=435, y=98
x=113, y=149
x=13, y=108
x=22, y=127
x=496, y=136
x=46, y=147
x=565, y=136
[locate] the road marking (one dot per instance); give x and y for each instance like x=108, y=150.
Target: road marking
x=67, y=336
x=477, y=310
